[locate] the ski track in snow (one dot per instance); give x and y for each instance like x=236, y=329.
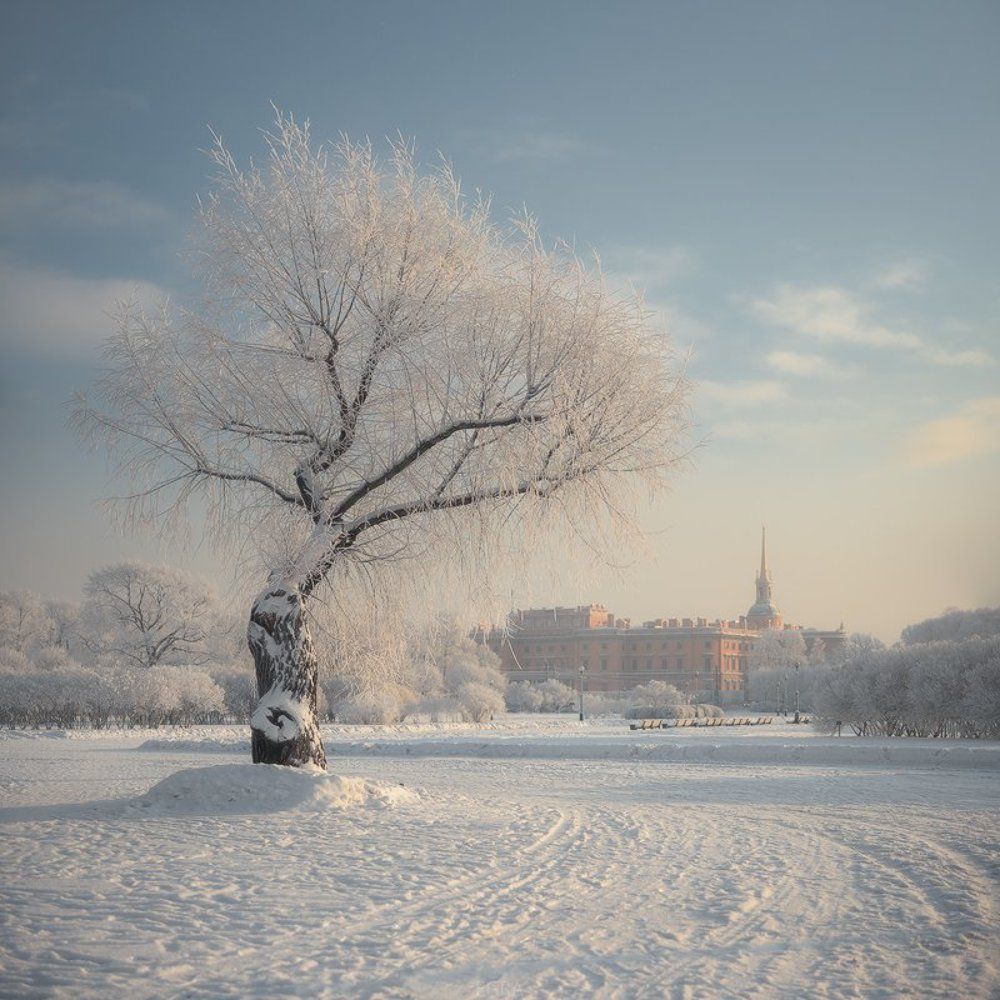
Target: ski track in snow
x=539, y=875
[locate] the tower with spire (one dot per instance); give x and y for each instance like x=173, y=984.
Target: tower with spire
x=763, y=614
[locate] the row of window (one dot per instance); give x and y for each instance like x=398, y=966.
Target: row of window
x=550, y=647
x=633, y=663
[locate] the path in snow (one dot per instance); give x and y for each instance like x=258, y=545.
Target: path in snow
x=509, y=876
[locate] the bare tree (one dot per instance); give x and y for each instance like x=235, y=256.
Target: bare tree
x=145, y=615
x=380, y=370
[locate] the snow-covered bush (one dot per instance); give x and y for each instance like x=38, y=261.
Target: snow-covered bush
x=523, y=696
x=479, y=701
x=375, y=708
x=49, y=658
x=557, y=696
x=441, y=709
x=61, y=699
x=239, y=692
x=437, y=674
x=177, y=695
x=926, y=689
x=657, y=700
x=13, y=661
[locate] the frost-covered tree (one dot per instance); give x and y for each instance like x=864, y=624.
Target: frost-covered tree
x=927, y=689
x=771, y=666
x=146, y=615
x=64, y=616
x=380, y=371
x=24, y=621
x=859, y=644
x=954, y=625
x=817, y=651
x=777, y=648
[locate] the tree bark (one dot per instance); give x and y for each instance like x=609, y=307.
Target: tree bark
x=283, y=727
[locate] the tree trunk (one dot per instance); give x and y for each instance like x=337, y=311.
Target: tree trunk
x=283, y=727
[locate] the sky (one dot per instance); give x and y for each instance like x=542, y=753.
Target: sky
x=807, y=193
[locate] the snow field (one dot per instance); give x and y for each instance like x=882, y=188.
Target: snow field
x=503, y=875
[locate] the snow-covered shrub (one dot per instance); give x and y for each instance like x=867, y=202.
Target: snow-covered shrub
x=175, y=695
x=981, y=701
x=440, y=675
x=374, y=708
x=13, y=661
x=48, y=699
x=445, y=708
x=239, y=692
x=523, y=696
x=53, y=658
x=479, y=701
x=657, y=700
x=926, y=689
x=557, y=696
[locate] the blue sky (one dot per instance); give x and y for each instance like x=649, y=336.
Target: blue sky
x=808, y=193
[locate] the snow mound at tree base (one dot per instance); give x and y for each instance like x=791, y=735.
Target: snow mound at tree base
x=242, y=789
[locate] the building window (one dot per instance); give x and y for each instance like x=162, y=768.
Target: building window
x=680, y=662
x=708, y=661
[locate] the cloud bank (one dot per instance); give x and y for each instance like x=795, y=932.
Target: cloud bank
x=53, y=314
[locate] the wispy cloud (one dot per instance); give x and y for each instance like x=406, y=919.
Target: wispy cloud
x=909, y=273
x=649, y=267
x=803, y=365
x=835, y=315
x=51, y=313
x=54, y=201
x=739, y=394
x=971, y=431
x=527, y=145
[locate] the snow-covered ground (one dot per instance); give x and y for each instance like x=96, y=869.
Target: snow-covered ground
x=532, y=857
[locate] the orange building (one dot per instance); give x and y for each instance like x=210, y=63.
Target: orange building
x=701, y=658
x=706, y=660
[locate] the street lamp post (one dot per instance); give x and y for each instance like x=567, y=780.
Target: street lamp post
x=583, y=671
x=796, y=690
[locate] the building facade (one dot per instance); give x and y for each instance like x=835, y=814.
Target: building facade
x=706, y=660
x=703, y=659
